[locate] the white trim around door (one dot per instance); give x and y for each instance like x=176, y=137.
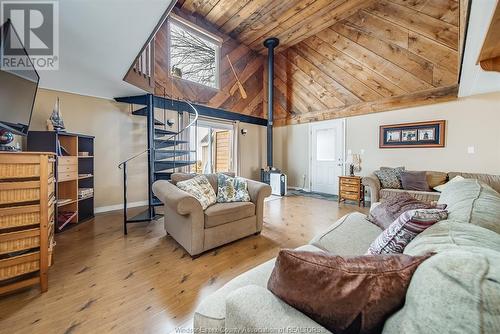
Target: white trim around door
x=326, y=155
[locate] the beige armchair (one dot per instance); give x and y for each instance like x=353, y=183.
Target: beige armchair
x=197, y=230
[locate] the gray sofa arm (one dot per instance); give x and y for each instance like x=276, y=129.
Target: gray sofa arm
x=254, y=309
x=175, y=198
x=373, y=183
x=258, y=192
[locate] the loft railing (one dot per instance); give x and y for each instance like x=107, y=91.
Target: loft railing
x=141, y=74
x=143, y=64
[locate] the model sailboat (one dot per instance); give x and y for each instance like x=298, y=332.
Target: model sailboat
x=56, y=117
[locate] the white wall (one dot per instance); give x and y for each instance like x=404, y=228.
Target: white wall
x=291, y=153
x=119, y=135
x=252, y=150
x=472, y=121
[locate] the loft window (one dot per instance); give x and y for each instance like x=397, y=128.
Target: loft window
x=193, y=53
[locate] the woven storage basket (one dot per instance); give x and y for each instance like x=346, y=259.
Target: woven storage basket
x=17, y=171
x=51, y=170
x=51, y=210
x=52, y=245
x=18, y=241
x=52, y=189
x=19, y=265
x=20, y=216
x=18, y=192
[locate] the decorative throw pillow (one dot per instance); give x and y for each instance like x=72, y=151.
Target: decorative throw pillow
x=435, y=179
x=390, y=178
x=232, y=189
x=345, y=295
x=201, y=189
x=443, y=186
x=414, y=181
x=385, y=214
x=394, y=239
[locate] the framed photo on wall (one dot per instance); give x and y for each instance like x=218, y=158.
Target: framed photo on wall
x=419, y=134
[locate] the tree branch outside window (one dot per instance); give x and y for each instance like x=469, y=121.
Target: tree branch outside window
x=192, y=57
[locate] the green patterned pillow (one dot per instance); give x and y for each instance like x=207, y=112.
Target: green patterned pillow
x=231, y=189
x=201, y=189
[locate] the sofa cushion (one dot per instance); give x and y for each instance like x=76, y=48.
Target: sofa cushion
x=471, y=201
x=343, y=294
x=211, y=313
x=222, y=213
x=200, y=189
x=424, y=196
x=441, y=187
x=491, y=180
x=404, y=229
x=448, y=235
x=435, y=179
x=231, y=189
x=350, y=235
x=254, y=309
x=456, y=291
x=412, y=180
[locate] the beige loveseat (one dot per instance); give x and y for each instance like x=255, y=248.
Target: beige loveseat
x=455, y=291
x=197, y=230
x=377, y=193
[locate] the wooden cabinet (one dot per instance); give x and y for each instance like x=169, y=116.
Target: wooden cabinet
x=74, y=173
x=351, y=188
x=27, y=200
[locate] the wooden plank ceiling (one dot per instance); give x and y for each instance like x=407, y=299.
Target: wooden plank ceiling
x=252, y=21
x=248, y=64
x=341, y=58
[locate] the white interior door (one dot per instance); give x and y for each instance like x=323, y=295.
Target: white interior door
x=327, y=155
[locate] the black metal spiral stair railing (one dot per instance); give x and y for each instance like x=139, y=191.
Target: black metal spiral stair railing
x=167, y=151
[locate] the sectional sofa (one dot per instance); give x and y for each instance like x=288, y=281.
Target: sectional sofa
x=378, y=193
x=455, y=291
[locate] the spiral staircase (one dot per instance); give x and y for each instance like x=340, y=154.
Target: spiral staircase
x=168, y=148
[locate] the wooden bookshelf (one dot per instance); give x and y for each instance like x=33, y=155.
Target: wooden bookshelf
x=74, y=171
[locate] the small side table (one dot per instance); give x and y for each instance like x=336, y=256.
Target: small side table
x=351, y=188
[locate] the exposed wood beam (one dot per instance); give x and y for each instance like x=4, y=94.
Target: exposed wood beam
x=427, y=97
x=489, y=57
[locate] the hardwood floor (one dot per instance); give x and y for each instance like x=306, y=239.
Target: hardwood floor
x=103, y=282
